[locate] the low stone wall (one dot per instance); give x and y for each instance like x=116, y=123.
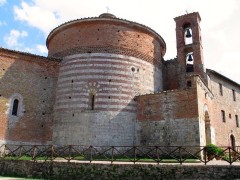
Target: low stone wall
x=64, y=170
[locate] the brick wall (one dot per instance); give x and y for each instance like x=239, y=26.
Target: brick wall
x=33, y=79
x=226, y=103
x=112, y=61
x=114, y=80
x=168, y=118
x=104, y=35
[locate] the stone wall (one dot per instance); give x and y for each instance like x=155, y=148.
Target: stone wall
x=168, y=118
x=32, y=81
x=171, y=71
x=62, y=170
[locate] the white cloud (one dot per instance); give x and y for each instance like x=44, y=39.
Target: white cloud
x=42, y=49
x=12, y=39
x=34, y=49
x=36, y=16
x=2, y=2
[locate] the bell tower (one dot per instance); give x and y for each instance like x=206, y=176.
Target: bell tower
x=189, y=46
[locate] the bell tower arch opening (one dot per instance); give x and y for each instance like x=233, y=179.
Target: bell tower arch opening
x=187, y=34
x=189, y=62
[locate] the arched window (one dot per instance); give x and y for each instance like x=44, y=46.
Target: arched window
x=15, y=107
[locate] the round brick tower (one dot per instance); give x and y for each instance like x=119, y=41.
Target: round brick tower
x=106, y=62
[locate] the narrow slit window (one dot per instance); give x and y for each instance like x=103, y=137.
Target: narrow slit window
x=92, y=101
x=237, y=121
x=223, y=116
x=15, y=107
x=220, y=89
x=234, y=95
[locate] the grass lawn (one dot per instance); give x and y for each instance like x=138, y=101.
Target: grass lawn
x=105, y=158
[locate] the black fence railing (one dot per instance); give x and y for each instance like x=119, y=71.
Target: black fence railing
x=111, y=154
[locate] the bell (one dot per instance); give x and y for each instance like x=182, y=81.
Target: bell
x=190, y=57
x=188, y=34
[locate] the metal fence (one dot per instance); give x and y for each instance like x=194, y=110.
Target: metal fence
x=112, y=154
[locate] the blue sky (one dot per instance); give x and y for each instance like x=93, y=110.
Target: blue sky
x=17, y=34
x=25, y=24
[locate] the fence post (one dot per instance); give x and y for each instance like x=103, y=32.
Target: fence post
x=51, y=162
x=52, y=152
x=4, y=151
x=69, y=153
x=34, y=153
x=205, y=155
x=157, y=152
x=230, y=155
x=180, y=154
x=20, y=153
x=134, y=150
x=112, y=154
x=91, y=153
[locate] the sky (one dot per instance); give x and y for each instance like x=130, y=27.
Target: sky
x=25, y=24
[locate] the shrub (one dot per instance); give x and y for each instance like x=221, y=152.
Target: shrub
x=220, y=152
x=215, y=151
x=212, y=149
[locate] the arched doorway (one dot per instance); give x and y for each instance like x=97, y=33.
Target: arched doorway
x=233, y=144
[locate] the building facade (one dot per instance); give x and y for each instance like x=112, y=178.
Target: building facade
x=105, y=82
